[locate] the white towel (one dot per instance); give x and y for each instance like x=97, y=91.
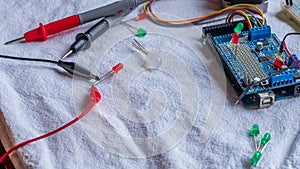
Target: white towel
x=175, y=117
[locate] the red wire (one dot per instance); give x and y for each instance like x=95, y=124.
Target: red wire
x=290, y=54
x=95, y=97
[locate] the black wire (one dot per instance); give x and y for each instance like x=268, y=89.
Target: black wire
x=254, y=17
x=71, y=67
x=29, y=59
x=283, y=40
x=207, y=22
x=236, y=14
x=230, y=15
x=289, y=2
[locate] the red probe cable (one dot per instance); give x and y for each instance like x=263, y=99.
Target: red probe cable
x=95, y=96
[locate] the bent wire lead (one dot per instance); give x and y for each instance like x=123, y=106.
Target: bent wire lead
x=114, y=70
x=136, y=44
x=254, y=133
x=151, y=59
x=265, y=141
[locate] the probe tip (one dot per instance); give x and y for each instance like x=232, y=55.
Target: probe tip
x=15, y=40
x=66, y=55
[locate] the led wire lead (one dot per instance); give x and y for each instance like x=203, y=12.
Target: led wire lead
x=115, y=69
x=139, y=47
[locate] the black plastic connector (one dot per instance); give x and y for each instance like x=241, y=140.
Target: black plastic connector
x=222, y=29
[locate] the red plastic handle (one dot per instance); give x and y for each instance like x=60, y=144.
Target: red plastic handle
x=41, y=33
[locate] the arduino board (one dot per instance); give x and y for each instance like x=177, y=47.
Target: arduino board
x=254, y=66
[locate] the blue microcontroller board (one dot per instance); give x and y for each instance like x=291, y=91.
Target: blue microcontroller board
x=255, y=61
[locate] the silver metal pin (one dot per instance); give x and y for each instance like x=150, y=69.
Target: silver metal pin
x=139, y=47
x=66, y=55
x=15, y=41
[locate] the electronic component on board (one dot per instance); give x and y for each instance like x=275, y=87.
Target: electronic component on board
x=259, y=46
x=257, y=69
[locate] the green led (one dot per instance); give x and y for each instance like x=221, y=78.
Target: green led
x=255, y=131
x=256, y=157
x=266, y=138
x=141, y=33
x=239, y=27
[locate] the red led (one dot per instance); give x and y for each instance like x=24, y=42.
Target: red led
x=117, y=68
x=235, y=38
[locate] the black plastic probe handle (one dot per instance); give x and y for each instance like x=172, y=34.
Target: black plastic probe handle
x=97, y=30
x=108, y=10
x=75, y=69
x=84, y=40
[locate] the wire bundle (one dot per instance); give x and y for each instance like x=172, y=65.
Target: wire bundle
x=248, y=11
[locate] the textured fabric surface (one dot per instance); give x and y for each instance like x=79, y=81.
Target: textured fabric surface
x=36, y=98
